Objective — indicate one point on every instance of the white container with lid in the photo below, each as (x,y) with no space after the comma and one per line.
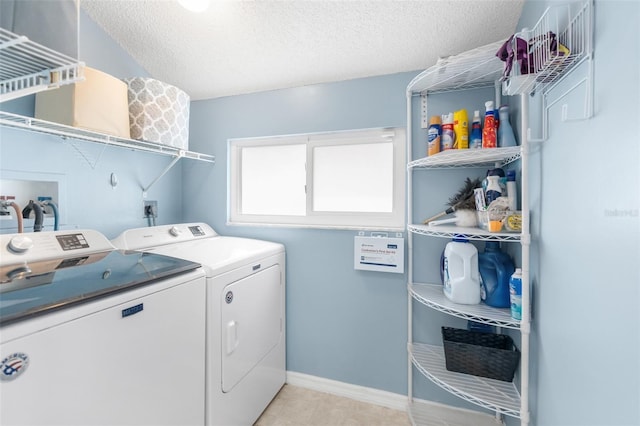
(461,273)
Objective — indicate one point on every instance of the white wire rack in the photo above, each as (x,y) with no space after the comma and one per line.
(495,395)
(432,296)
(48,127)
(454,158)
(69,132)
(451,231)
(422,413)
(549,60)
(473,69)
(27,67)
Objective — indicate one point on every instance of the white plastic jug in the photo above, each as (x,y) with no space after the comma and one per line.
(461,273)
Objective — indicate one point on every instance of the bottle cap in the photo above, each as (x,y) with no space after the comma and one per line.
(511,175)
(489,106)
(435,119)
(448,118)
(495,172)
(476,115)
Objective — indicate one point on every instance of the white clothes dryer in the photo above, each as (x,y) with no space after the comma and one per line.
(245,314)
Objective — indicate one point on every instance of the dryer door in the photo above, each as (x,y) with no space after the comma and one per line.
(251,323)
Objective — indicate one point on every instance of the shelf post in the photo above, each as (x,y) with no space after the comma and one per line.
(525,243)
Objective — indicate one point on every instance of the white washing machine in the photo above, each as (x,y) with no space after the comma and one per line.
(245,327)
(90,335)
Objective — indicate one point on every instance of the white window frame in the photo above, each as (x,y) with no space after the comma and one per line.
(394,220)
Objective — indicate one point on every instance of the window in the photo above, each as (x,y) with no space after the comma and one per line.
(352,179)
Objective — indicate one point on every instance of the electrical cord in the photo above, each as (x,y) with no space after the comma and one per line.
(150,213)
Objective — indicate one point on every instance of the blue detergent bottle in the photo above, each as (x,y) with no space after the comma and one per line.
(496,268)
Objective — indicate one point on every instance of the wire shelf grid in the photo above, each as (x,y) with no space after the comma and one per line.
(431,295)
(27,67)
(475,234)
(422,413)
(495,395)
(472,69)
(548,61)
(454,158)
(47,127)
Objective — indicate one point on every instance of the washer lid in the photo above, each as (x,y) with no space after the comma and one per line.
(36,288)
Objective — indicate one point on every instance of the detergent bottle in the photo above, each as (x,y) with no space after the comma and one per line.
(496,268)
(475,141)
(434,135)
(506,135)
(461,274)
(489,136)
(515,290)
(448,135)
(461,129)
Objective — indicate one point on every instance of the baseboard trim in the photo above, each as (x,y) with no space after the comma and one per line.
(369,395)
(347,390)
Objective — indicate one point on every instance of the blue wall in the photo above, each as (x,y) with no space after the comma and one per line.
(586,237)
(342,324)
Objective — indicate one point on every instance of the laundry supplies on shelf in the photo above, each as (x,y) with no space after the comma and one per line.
(461,274)
(496,268)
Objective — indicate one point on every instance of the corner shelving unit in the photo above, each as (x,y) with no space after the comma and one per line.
(27,67)
(476,69)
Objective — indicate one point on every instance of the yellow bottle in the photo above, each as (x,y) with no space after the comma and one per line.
(461,129)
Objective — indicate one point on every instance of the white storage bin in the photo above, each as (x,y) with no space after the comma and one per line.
(158,112)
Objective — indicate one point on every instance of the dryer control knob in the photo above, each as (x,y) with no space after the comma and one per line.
(20,244)
(174,231)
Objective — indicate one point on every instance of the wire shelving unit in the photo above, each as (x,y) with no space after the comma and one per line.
(470,70)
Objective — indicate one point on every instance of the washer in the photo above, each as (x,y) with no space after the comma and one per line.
(90,335)
(245,327)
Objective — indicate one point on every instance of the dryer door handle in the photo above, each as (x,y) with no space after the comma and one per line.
(232,337)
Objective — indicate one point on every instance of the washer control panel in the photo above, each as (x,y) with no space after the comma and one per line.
(37,246)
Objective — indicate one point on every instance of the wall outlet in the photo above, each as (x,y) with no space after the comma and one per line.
(150,209)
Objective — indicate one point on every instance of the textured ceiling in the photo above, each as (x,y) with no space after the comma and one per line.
(237,47)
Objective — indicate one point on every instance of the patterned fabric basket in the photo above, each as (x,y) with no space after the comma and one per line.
(158,112)
(494,356)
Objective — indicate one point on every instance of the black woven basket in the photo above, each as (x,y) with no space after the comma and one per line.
(482,354)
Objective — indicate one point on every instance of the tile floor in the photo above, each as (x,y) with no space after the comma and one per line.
(296,406)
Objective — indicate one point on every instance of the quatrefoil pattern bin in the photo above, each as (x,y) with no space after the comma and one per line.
(158,112)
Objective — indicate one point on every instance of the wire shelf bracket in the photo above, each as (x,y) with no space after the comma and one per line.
(69,132)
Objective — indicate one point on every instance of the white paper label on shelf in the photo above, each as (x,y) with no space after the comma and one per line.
(379,254)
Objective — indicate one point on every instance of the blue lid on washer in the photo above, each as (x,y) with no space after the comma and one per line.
(42,287)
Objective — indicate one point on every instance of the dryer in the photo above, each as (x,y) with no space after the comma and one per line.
(245,314)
